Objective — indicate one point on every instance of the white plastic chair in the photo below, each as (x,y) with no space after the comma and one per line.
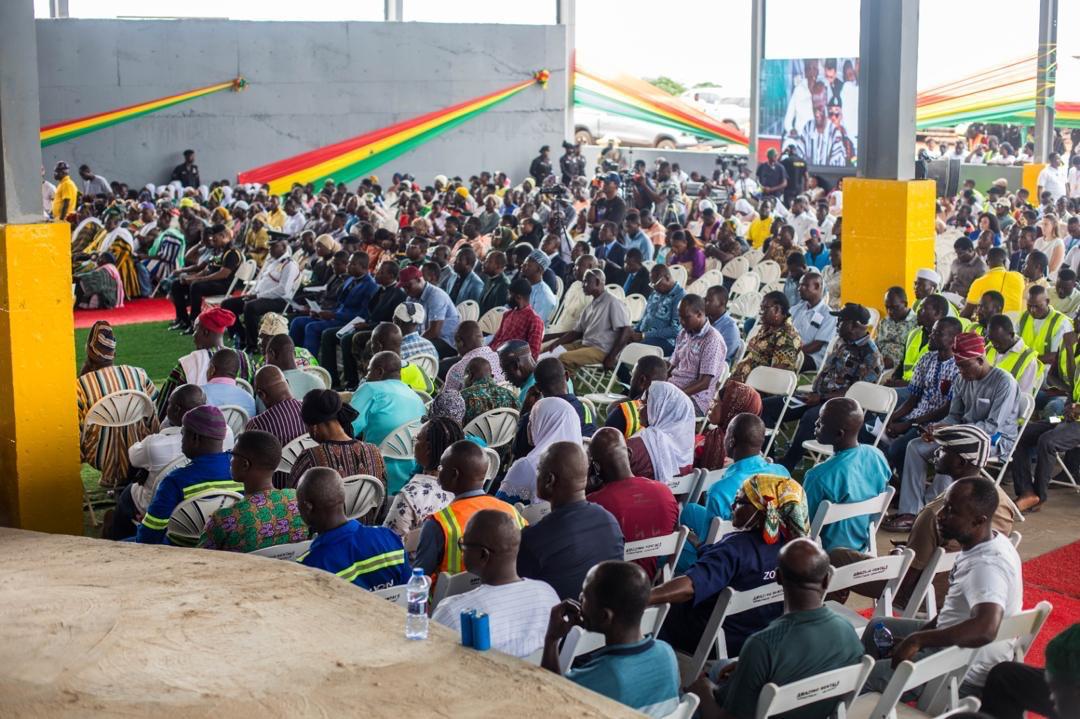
(769,271)
(559,287)
(678,273)
(635,306)
(321,373)
(999,464)
(872,398)
(363,493)
(829,513)
(754,257)
(489,323)
(236,417)
(686,485)
(941,672)
(1060,457)
(399,443)
(533,513)
(668,545)
(747,305)
(427,362)
(629,355)
(687,706)
(244,274)
(940,561)
(891,569)
(616,290)
(188,520)
(729,602)
(780,382)
(748,282)
(579,641)
(123,408)
(292,450)
(737,267)
(839,685)
(875,319)
(494,463)
(717,529)
(397,594)
(496,427)
(712,476)
(469,311)
(245,385)
(449,585)
(288,552)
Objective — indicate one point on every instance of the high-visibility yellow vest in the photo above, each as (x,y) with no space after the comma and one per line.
(1015,363)
(631,413)
(914,348)
(455,516)
(1040,342)
(1070,374)
(953,312)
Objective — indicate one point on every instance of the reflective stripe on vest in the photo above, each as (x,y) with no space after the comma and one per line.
(455,517)
(1015,363)
(631,411)
(914,349)
(1041,342)
(372,564)
(151,522)
(203,487)
(1063,369)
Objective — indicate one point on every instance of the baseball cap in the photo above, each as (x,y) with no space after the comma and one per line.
(411,312)
(612,177)
(707,206)
(408,275)
(852,311)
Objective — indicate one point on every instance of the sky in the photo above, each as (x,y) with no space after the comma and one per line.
(691,41)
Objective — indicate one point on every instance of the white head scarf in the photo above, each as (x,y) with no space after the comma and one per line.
(669,438)
(551,420)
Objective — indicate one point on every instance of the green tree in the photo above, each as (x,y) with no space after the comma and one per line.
(665,83)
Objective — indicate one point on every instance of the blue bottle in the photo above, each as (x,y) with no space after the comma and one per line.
(883,640)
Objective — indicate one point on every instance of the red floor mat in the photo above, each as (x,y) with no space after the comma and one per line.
(1057,570)
(131,313)
(1065,613)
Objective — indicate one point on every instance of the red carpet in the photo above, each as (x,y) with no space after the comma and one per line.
(131,313)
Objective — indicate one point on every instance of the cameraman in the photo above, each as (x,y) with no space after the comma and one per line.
(607,207)
(668,193)
(644,191)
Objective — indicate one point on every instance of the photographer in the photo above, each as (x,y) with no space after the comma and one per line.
(644,191)
(607,207)
(668,196)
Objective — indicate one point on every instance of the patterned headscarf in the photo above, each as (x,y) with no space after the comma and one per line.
(450,404)
(272,324)
(966,440)
(735,399)
(784,503)
(101,343)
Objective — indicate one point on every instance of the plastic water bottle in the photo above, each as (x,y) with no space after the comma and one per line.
(416,621)
(883,640)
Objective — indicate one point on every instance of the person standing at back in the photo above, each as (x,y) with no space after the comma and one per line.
(577,534)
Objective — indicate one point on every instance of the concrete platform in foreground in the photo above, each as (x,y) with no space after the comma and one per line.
(96,628)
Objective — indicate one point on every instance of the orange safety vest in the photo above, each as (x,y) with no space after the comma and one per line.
(453,519)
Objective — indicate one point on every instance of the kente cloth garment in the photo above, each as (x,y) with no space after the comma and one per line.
(106,448)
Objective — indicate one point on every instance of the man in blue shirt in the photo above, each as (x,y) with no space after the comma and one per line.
(203,430)
(716,300)
(856,472)
(440,314)
(464,284)
(635,238)
(221,388)
(542,299)
(635,670)
(355,297)
(659,324)
(369,557)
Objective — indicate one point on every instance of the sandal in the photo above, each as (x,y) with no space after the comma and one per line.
(899,523)
(1028,504)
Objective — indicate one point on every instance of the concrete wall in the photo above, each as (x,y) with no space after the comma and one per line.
(311,84)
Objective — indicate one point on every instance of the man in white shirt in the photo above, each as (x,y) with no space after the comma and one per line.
(802,220)
(986,583)
(271,293)
(1073,177)
(813,320)
(1053,178)
(518,609)
(294,218)
(746,187)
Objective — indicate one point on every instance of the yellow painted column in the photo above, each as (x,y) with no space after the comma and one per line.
(39,435)
(1031,181)
(888,234)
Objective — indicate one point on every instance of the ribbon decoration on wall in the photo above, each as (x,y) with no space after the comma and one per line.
(70,129)
(349,159)
(639,100)
(1004,94)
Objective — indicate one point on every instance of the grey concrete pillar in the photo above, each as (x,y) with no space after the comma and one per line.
(888,67)
(1045,80)
(20,148)
(566,16)
(393,10)
(757,50)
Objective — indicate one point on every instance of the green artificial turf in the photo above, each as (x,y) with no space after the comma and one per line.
(149,345)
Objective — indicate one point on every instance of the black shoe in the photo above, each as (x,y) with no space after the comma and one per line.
(178,326)
(189,330)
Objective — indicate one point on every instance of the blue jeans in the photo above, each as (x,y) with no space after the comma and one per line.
(307,332)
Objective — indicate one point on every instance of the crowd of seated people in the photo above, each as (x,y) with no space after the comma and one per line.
(431,308)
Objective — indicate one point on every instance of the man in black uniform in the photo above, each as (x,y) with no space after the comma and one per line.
(772,176)
(188,172)
(795,167)
(541,165)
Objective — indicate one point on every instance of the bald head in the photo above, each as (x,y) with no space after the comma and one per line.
(478,369)
(183,398)
(386,337)
(609,455)
(803,572)
(745,435)
(270,386)
(224,363)
(281,352)
(517,361)
(463,467)
(498,531)
(840,422)
(320,494)
(384,365)
(468,336)
(562,474)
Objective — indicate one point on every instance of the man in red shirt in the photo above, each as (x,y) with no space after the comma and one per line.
(644,508)
(520,322)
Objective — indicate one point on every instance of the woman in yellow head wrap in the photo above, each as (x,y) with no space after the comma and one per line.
(783,504)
